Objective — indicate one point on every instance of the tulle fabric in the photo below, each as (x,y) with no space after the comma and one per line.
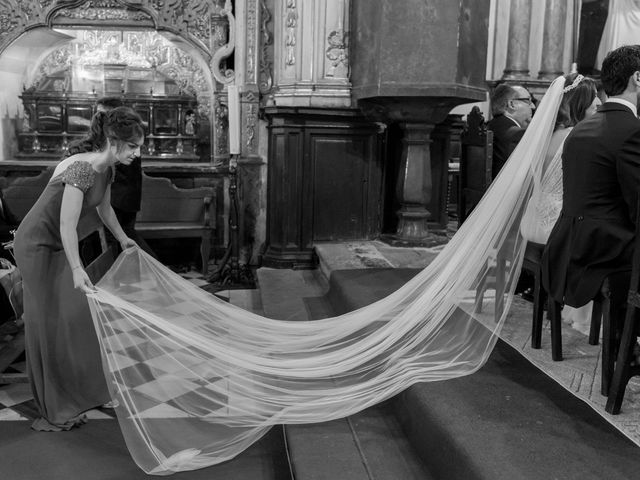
(200,380)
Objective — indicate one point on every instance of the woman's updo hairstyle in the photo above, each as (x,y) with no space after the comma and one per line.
(579,93)
(119,125)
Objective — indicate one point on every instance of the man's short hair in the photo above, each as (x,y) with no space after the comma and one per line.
(617,68)
(110,102)
(500,98)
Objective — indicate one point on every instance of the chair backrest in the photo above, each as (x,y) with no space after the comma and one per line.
(164,202)
(22,194)
(475,163)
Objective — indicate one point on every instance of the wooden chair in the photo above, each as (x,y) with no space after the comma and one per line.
(602,313)
(601,308)
(623,370)
(476,155)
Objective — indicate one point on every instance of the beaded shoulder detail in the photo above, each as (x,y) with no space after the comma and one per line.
(80,174)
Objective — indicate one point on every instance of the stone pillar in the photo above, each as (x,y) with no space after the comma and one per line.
(555,16)
(518,48)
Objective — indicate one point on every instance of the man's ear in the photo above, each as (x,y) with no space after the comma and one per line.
(509,106)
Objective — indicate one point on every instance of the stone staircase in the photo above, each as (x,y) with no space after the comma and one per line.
(370,445)
(509,420)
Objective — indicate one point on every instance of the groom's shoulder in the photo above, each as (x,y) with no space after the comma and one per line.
(616,112)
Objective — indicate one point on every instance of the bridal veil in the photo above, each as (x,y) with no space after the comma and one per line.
(199,380)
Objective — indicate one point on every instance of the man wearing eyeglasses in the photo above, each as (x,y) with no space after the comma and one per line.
(512,107)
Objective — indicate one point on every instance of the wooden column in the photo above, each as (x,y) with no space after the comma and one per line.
(414,186)
(555,17)
(519,32)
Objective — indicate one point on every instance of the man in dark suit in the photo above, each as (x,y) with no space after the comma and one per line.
(593,237)
(511,107)
(126,189)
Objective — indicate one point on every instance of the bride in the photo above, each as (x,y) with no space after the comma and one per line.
(580,100)
(199,380)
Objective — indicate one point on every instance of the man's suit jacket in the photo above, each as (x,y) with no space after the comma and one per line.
(506,135)
(126,189)
(593,236)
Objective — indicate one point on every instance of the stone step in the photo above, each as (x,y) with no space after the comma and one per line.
(508,420)
(370,445)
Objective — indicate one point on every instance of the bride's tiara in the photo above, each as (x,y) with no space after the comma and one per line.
(575,83)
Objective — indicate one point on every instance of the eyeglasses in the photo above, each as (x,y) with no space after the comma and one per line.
(526,100)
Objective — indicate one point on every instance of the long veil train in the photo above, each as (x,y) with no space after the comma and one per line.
(199,380)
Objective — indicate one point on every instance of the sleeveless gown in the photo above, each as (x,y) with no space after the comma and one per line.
(64,362)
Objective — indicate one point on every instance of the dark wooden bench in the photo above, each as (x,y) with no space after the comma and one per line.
(22,193)
(171,212)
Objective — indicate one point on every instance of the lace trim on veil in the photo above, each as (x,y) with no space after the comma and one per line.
(200,380)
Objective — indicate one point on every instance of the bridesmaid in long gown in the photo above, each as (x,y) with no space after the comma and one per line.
(64,363)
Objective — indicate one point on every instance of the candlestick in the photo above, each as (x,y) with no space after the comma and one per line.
(233,99)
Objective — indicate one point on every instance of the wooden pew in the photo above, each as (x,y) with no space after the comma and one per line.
(171,212)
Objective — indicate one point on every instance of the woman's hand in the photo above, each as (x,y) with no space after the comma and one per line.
(127,243)
(81,280)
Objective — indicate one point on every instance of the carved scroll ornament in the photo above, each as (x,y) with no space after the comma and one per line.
(227,76)
(190,18)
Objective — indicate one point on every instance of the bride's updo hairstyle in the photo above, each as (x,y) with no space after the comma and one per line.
(579,93)
(120,125)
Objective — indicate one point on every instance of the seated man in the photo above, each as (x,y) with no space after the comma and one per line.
(593,237)
(126,189)
(511,107)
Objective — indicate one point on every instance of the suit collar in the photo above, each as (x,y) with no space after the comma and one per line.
(515,122)
(620,105)
(505,119)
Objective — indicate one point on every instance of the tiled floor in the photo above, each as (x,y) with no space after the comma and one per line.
(16,400)
(289,294)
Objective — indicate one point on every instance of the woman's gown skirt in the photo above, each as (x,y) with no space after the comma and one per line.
(64,362)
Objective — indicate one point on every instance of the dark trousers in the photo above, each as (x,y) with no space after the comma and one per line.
(128,223)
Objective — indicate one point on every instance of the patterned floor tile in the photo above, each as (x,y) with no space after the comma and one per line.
(9,414)
(14,394)
(96,414)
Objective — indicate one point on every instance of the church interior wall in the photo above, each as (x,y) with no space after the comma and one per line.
(17,67)
(310,68)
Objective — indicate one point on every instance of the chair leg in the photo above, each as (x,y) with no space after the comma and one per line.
(596,320)
(538,311)
(555,309)
(480,289)
(622,368)
(608,346)
(500,287)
